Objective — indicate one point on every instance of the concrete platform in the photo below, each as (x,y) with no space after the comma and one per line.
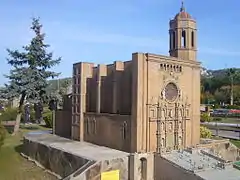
(81,149)
(68,158)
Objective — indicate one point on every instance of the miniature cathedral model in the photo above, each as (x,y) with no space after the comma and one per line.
(147,104)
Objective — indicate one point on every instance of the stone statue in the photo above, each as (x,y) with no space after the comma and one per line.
(180,141)
(162,126)
(163,94)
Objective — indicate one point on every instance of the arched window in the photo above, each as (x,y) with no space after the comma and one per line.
(143,168)
(161,66)
(124,130)
(162,126)
(170,41)
(170,127)
(175,139)
(173,40)
(192,38)
(180,140)
(165,68)
(94,126)
(180,69)
(180,125)
(87,125)
(183,39)
(163,142)
(176,68)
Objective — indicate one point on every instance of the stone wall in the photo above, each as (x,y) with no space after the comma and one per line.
(141,166)
(94,171)
(63,123)
(65,161)
(110,130)
(67,103)
(57,161)
(99,89)
(109,81)
(165,170)
(223,148)
(226,150)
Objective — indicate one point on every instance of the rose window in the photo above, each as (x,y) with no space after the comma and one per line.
(171,92)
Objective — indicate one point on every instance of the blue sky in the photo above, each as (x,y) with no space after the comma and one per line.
(105,31)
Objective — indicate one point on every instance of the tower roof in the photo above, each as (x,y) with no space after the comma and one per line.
(183,14)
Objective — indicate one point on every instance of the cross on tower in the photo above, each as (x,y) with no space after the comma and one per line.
(182,7)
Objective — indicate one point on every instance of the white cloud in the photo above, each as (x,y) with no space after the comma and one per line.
(82,35)
(62,35)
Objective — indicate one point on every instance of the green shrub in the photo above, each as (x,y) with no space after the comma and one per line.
(205,117)
(205,132)
(2,135)
(216,106)
(46,110)
(9,114)
(233,107)
(47,117)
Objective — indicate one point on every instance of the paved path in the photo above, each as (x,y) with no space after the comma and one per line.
(8,123)
(221,124)
(226,134)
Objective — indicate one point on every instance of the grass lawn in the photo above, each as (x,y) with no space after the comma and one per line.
(236,143)
(13,166)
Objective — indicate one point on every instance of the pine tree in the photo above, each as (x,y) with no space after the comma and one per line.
(30,71)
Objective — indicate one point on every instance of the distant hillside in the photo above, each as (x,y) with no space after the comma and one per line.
(220,72)
(216,86)
(222,75)
(58,83)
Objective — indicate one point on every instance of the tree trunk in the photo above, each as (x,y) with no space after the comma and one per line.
(17,124)
(18,118)
(231,98)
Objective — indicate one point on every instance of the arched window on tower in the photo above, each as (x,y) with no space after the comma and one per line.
(183,39)
(170,41)
(173,40)
(192,38)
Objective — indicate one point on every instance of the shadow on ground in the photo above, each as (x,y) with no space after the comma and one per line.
(9,129)
(30,127)
(19,148)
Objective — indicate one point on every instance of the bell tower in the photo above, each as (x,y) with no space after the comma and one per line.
(183,36)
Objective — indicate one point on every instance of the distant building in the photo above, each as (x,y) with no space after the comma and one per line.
(14,103)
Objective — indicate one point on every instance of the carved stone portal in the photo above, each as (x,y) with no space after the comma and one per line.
(173,112)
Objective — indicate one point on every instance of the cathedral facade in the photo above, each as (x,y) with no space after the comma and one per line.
(150,103)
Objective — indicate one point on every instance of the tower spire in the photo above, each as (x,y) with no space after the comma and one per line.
(182,9)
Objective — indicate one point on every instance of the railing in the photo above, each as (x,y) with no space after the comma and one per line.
(225,130)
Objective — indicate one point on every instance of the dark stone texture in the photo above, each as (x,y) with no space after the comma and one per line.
(74,160)
(57,161)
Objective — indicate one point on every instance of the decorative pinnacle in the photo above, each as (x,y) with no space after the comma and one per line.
(182,7)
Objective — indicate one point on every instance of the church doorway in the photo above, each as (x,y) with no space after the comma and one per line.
(143,168)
